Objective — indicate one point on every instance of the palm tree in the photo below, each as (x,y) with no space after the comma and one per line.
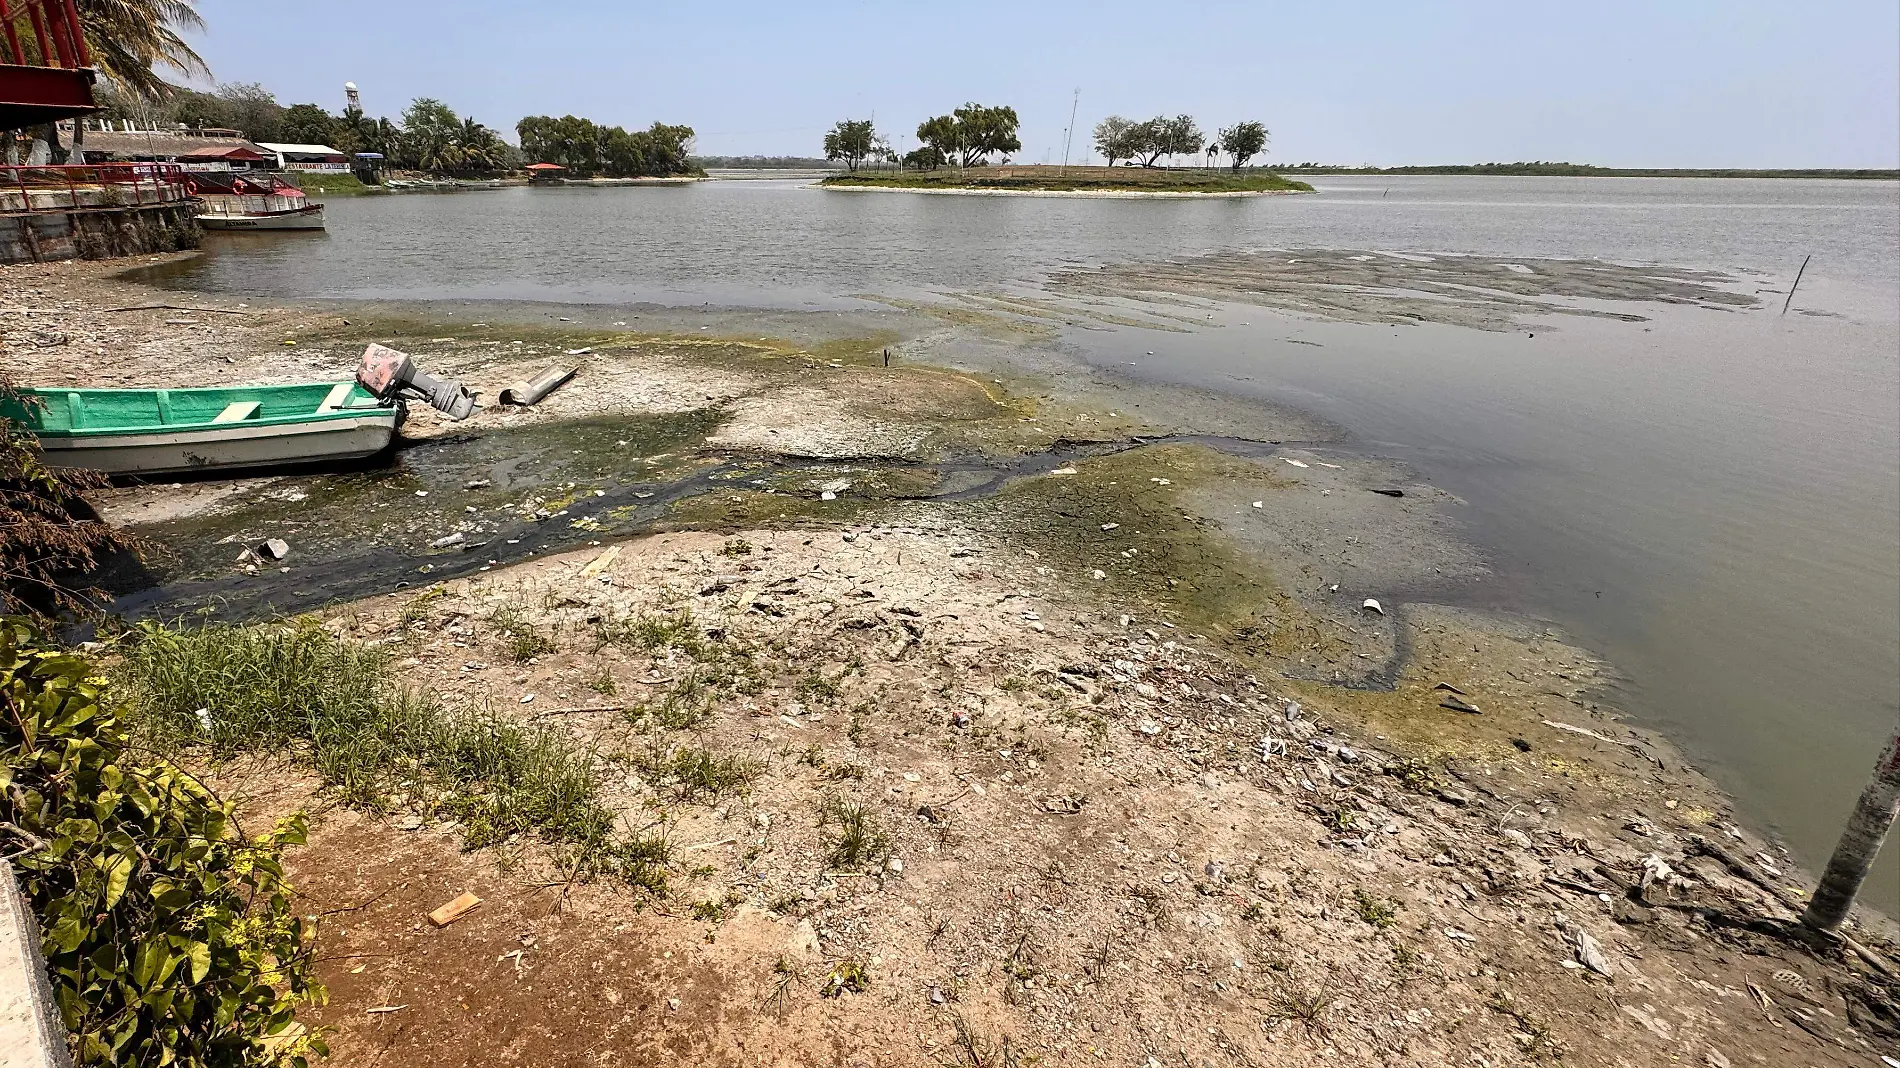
(130,38)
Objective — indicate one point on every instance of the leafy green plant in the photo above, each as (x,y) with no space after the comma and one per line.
(1375,910)
(170,935)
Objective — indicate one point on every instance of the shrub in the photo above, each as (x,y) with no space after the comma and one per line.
(169,933)
(48,533)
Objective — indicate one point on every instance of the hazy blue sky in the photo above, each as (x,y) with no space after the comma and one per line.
(1665,82)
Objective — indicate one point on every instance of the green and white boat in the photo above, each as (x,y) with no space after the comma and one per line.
(171,431)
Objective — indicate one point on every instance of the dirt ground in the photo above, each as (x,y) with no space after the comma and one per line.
(1134,777)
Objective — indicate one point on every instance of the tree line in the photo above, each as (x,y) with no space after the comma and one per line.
(429,136)
(970,135)
(1144,143)
(967,137)
(587,149)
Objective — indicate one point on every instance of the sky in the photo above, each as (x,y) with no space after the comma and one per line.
(1679,83)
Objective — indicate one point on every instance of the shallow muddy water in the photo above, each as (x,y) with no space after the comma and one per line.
(1709,497)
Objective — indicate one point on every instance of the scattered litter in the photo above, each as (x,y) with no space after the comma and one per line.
(1390,492)
(1110,526)
(1295,463)
(1259,504)
(454,910)
(384,1008)
(272,549)
(1063,471)
(1457,935)
(1590,955)
(1323,463)
(601,563)
(476,483)
(1457,705)
(1372,605)
(1062,806)
(1453,689)
(526,697)
(534,389)
(456,538)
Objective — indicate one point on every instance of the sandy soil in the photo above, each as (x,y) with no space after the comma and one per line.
(1153,788)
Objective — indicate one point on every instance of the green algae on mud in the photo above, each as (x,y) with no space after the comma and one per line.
(1123,515)
(464,483)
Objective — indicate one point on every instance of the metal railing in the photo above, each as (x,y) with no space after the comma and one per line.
(43,33)
(130,184)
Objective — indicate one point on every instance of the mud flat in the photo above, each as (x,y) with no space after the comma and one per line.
(1133,774)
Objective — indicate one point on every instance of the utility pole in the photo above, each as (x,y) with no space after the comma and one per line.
(1860,843)
(1068,135)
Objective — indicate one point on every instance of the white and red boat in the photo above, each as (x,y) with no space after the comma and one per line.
(233,201)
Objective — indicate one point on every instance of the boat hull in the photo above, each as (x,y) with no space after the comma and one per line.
(224,448)
(310,218)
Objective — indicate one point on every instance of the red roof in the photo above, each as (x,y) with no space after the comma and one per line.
(228,152)
(545,167)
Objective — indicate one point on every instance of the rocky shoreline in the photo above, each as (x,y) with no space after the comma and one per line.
(1155,788)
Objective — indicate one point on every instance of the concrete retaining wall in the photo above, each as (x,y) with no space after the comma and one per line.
(31,1032)
(95,233)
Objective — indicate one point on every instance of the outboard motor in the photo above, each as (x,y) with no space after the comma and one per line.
(390,374)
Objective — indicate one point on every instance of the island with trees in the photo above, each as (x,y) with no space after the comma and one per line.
(969,150)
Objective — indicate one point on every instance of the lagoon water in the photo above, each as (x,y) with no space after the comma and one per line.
(1710,499)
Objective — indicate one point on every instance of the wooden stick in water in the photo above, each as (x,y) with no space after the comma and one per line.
(1797,282)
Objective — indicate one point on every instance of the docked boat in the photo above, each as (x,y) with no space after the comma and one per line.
(256,201)
(170,431)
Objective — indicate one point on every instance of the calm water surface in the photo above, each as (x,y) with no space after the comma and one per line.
(1711,499)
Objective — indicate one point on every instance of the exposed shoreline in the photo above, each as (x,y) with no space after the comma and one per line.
(1107,194)
(1042,612)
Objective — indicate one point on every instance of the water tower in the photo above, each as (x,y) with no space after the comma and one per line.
(352,97)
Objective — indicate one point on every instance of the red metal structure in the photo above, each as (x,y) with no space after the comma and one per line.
(47,74)
(94,187)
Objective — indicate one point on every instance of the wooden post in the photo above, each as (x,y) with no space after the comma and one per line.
(1860,843)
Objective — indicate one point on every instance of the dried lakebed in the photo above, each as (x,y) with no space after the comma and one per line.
(1089,696)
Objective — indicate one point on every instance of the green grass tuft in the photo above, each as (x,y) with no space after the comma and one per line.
(856,839)
(696,772)
(296,690)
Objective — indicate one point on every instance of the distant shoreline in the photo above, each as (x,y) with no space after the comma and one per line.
(1582,170)
(1108,194)
(1046,180)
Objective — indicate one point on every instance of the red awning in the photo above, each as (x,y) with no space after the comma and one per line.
(544,167)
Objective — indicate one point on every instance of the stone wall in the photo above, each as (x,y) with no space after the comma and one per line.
(95,233)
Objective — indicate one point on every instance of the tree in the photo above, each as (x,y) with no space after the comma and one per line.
(985,131)
(1243,141)
(1181,136)
(308,124)
(851,140)
(130,38)
(252,109)
(926,158)
(1162,136)
(1112,140)
(943,135)
(429,130)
